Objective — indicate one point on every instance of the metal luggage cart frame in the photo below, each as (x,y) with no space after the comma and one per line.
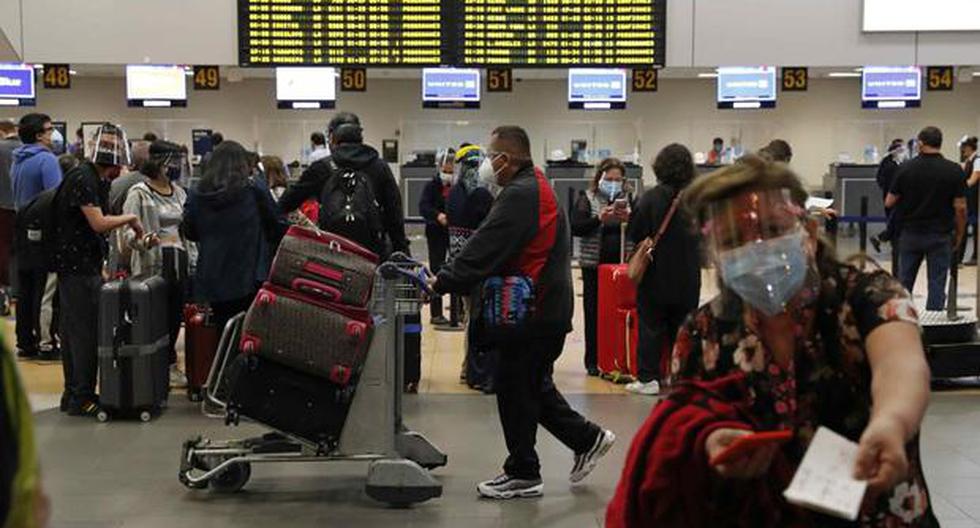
(399,459)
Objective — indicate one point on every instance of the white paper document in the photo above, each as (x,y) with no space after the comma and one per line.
(825,479)
(818,203)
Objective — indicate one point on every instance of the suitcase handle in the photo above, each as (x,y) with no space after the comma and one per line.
(418,276)
(309,286)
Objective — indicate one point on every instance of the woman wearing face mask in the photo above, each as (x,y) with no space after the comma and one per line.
(158,202)
(432,205)
(671,287)
(795,341)
(598,218)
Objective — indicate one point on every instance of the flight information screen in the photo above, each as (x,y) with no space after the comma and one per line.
(479,33)
(340,32)
(566,33)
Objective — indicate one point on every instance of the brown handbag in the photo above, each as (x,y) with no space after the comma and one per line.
(643,254)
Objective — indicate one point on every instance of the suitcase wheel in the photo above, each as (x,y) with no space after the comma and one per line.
(145,416)
(102,416)
(231,479)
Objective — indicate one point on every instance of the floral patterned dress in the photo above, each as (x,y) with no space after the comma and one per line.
(826,383)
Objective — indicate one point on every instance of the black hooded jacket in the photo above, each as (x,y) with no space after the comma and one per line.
(364,158)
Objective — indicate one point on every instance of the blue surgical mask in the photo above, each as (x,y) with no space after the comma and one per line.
(610,188)
(766,274)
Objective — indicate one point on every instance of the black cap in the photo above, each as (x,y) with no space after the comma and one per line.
(343,118)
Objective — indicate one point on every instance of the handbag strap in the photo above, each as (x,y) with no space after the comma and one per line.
(665,224)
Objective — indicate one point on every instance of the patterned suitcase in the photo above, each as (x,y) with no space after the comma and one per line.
(287,400)
(325,265)
(307,333)
(133,342)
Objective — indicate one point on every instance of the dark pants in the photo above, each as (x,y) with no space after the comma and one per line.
(590,308)
(175,274)
(30,292)
(658,330)
(79,295)
(224,311)
(438,246)
(7,217)
(412,352)
(527,396)
(936,249)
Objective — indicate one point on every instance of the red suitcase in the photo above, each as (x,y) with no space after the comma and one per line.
(618,336)
(326,265)
(200,345)
(307,333)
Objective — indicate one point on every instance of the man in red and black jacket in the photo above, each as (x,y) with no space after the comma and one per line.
(526,233)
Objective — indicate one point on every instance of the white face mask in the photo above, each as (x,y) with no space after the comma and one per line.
(447,178)
(487,174)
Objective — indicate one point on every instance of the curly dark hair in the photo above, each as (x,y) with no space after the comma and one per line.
(674,165)
(606,165)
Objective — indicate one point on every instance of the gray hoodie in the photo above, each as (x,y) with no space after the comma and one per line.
(7,147)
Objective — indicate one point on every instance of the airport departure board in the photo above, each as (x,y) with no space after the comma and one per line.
(481,33)
(340,32)
(567,33)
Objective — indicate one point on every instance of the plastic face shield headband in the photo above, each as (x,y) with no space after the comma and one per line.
(111,146)
(751,217)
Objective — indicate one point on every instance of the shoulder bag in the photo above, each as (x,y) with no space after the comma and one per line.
(643,255)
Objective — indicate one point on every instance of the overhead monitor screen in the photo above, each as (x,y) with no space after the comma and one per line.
(306,88)
(340,33)
(17,85)
(450,88)
(891,87)
(596,89)
(156,86)
(569,33)
(914,15)
(747,88)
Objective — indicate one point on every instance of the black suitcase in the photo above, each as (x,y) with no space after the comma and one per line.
(133,346)
(288,400)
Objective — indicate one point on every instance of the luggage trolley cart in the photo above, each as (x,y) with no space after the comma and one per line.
(399,459)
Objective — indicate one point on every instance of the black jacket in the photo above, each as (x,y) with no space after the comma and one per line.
(231,230)
(432,203)
(525,233)
(674,276)
(364,158)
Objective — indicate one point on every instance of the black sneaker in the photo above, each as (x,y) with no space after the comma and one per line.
(49,355)
(593,372)
(586,462)
(29,353)
(439,321)
(65,402)
(506,487)
(88,408)
(876,243)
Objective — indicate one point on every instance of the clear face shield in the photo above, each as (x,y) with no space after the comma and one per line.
(467,165)
(110,146)
(760,246)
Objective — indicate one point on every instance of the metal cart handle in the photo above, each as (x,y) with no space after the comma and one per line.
(418,276)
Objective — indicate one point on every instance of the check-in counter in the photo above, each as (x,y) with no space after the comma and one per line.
(850,182)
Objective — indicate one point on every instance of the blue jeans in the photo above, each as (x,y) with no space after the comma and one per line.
(937,250)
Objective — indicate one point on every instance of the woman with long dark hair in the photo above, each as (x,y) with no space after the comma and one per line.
(235,223)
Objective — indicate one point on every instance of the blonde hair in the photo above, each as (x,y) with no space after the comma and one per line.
(275,171)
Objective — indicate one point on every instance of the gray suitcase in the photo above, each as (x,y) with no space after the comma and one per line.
(133,347)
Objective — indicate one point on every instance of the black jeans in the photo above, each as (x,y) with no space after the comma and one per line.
(412,351)
(658,330)
(937,250)
(30,291)
(175,274)
(224,311)
(79,295)
(438,247)
(590,309)
(527,396)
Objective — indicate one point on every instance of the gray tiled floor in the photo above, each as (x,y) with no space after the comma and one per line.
(124,474)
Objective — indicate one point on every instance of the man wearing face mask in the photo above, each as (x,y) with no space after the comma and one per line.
(432,205)
(717,150)
(526,235)
(930,193)
(81,209)
(885,177)
(35,170)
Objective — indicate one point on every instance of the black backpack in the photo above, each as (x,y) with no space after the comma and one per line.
(348,207)
(35,227)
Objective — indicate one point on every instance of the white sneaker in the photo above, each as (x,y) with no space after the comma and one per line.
(506,487)
(651,388)
(177,378)
(586,462)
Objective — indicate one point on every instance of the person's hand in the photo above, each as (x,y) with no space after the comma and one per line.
(607,214)
(623,215)
(136,226)
(151,240)
(881,458)
(442,219)
(753,465)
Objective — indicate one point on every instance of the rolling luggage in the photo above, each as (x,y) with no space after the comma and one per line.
(617,326)
(200,345)
(307,333)
(324,265)
(133,347)
(288,400)
(619,334)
